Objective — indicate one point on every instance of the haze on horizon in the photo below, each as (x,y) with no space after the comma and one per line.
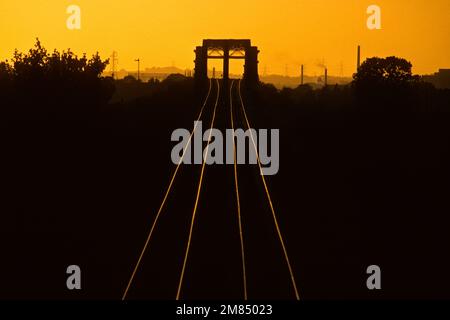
(288,32)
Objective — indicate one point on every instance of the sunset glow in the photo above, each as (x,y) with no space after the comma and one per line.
(288,32)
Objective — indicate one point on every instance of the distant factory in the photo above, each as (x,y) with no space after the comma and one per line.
(440,79)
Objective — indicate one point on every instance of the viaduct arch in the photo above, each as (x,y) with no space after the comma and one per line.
(227,49)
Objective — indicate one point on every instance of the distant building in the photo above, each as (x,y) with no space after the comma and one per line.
(440,79)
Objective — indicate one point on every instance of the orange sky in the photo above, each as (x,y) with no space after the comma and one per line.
(288,32)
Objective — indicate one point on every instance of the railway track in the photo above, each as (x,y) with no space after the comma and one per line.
(215,234)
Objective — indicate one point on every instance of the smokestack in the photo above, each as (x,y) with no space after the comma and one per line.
(358,59)
(326,77)
(301,77)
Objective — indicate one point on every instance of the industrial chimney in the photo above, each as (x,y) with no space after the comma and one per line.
(301,77)
(358,59)
(326,77)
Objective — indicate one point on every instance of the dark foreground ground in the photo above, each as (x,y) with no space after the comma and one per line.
(357,186)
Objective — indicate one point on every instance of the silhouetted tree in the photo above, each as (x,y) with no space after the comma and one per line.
(6,74)
(386,83)
(390,71)
(38,81)
(5,71)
